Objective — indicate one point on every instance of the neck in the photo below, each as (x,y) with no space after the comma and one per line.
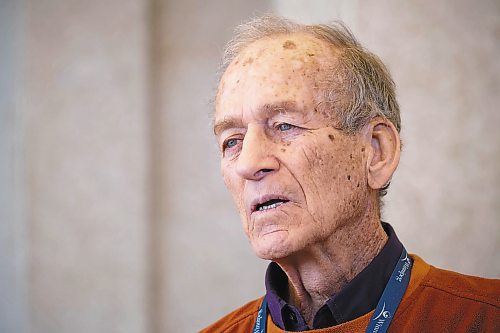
(323,269)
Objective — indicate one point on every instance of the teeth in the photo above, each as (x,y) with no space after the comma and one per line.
(271,206)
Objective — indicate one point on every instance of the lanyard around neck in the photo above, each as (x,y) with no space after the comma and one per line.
(386,307)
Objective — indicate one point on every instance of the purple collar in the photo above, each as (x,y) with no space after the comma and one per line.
(357,298)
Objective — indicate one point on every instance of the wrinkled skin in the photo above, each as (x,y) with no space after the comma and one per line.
(275,141)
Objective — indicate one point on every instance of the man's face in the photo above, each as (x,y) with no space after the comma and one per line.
(294,177)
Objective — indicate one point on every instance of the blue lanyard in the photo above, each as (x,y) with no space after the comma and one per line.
(386,307)
(260,322)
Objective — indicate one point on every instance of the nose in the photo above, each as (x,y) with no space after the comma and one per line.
(256,159)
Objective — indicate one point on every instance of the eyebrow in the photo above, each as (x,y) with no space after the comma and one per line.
(268,109)
(227,122)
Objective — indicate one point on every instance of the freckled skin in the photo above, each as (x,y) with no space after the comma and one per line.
(248,61)
(311,171)
(288,44)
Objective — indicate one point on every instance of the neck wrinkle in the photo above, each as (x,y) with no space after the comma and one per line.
(321,271)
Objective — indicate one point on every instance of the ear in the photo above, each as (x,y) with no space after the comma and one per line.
(383,151)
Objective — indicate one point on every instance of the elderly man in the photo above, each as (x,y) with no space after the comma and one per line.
(308,127)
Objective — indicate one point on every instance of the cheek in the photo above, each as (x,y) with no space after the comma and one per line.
(332,175)
(225,172)
(350,182)
(351,172)
(233,185)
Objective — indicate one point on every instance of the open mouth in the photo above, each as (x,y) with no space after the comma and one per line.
(270,204)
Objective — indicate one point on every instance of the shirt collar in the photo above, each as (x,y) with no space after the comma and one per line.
(357,298)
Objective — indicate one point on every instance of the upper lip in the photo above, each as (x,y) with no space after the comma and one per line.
(266,197)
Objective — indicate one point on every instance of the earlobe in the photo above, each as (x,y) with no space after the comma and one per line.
(384,152)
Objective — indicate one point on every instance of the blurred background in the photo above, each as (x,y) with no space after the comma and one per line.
(113,214)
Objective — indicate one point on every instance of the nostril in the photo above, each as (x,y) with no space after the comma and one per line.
(262,172)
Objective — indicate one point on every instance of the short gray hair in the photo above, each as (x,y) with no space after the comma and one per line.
(357,89)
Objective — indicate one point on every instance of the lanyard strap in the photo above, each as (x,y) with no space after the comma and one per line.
(386,307)
(260,322)
(392,295)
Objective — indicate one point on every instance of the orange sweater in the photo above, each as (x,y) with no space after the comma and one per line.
(436,301)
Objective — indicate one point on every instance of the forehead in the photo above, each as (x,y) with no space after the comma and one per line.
(273,70)
(285,46)
(282,53)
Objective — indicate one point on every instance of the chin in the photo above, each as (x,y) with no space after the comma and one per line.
(272,246)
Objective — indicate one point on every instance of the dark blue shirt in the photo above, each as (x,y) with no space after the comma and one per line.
(357,298)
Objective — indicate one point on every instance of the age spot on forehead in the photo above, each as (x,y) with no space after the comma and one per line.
(289,45)
(331,137)
(248,61)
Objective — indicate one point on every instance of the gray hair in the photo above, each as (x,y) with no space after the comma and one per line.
(357,89)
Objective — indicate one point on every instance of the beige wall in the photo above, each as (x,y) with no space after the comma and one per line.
(114,216)
(14,313)
(80,105)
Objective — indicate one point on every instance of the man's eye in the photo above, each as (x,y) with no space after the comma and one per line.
(284,127)
(231,143)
